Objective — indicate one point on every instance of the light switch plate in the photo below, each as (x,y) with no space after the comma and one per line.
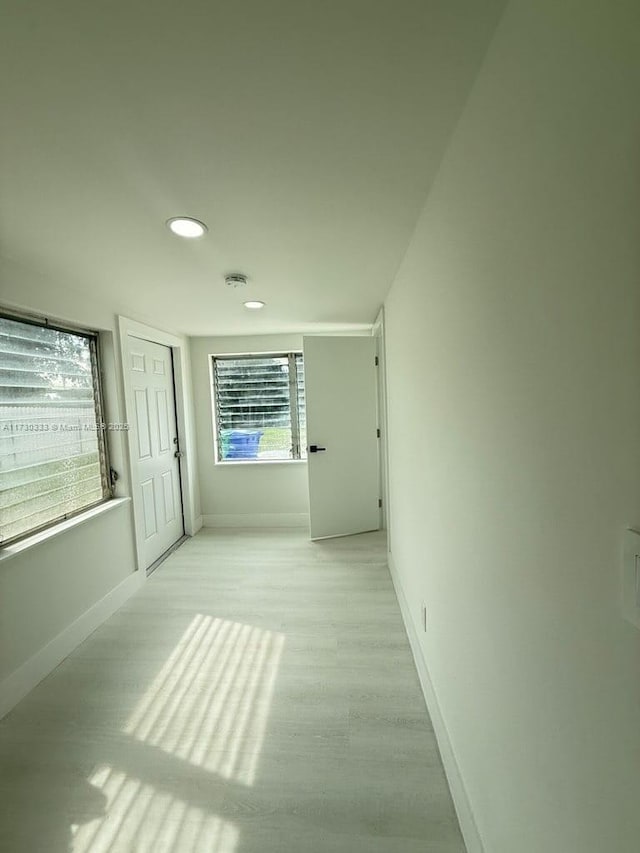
(631,577)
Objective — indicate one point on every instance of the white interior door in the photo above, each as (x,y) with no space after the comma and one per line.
(154,437)
(340,390)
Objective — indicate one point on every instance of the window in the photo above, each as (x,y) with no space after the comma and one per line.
(259,409)
(53,460)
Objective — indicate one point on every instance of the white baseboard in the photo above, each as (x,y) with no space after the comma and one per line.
(261,519)
(459,794)
(16,686)
(197,524)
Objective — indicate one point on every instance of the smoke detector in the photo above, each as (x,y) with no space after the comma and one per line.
(235,279)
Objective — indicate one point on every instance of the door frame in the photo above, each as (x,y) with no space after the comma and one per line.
(383,424)
(179,349)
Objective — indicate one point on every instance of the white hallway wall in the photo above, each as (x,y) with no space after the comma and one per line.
(244,494)
(514,402)
(55,592)
(44,589)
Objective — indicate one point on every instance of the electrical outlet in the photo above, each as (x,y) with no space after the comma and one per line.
(423,615)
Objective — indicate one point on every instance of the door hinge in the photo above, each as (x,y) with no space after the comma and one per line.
(380,502)
(378,433)
(377,362)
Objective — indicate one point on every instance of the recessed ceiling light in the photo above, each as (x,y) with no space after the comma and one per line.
(254,303)
(186,226)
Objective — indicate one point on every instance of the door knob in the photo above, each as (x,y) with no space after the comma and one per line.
(314,448)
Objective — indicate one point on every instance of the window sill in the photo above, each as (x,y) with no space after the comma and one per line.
(8,551)
(243,463)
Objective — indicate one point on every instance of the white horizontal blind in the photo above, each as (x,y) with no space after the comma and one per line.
(52,461)
(302,410)
(253,407)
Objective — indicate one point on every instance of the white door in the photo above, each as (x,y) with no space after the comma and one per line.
(154,438)
(340,391)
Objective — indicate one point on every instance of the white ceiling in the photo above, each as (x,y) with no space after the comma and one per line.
(305,133)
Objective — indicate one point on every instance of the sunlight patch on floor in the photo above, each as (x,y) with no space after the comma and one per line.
(141,819)
(210,702)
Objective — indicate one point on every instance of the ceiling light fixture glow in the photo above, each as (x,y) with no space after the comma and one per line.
(186,226)
(254,303)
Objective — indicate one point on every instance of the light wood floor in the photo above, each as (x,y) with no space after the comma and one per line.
(257,696)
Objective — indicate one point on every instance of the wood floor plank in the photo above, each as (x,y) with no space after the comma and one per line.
(257,696)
